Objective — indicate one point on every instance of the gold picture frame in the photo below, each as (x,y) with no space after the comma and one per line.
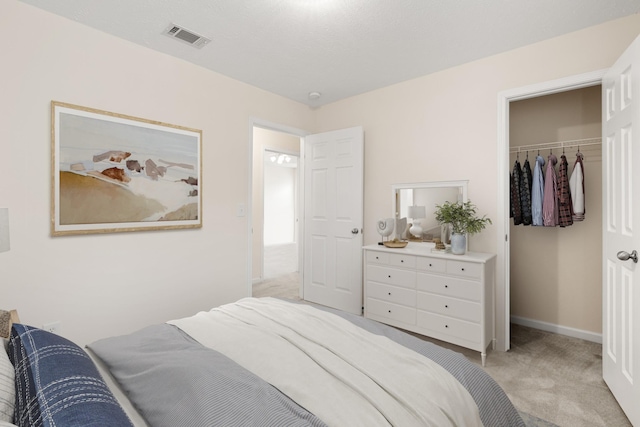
(116,173)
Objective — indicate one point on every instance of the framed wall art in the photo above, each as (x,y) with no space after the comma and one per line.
(115,173)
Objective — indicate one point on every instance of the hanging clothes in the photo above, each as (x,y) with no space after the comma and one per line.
(576,185)
(565,206)
(537,191)
(516,206)
(510,198)
(550,201)
(525,193)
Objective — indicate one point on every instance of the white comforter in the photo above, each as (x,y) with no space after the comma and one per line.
(344,375)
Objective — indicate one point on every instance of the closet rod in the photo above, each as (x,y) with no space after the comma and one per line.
(559,144)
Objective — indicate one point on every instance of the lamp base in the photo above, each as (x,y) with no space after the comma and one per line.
(416,230)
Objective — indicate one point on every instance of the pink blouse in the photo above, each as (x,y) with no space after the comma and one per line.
(550,202)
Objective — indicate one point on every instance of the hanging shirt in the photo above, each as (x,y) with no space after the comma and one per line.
(525,193)
(565,206)
(550,200)
(537,191)
(510,198)
(576,185)
(516,206)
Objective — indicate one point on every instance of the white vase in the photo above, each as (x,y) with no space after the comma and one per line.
(458,244)
(445,233)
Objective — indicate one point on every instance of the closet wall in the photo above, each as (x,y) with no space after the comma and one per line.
(556,272)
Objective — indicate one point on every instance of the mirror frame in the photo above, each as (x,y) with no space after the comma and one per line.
(463,184)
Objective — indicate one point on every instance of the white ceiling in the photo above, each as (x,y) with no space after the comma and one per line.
(339,48)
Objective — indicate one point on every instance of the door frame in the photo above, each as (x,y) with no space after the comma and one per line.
(277,127)
(579,81)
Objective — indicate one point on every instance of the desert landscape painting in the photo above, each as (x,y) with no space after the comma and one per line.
(115,173)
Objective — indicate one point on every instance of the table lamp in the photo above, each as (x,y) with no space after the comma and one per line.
(416,213)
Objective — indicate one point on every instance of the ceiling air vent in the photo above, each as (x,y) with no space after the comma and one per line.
(185,36)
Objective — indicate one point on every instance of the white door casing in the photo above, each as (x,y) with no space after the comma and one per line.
(503,310)
(265,124)
(621,212)
(333,209)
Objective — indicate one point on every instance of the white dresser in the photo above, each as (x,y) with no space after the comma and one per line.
(440,295)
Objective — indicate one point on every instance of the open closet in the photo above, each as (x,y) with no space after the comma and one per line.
(556,272)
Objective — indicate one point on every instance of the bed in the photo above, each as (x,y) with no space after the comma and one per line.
(256,362)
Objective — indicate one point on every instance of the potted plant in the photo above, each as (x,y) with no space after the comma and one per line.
(463,220)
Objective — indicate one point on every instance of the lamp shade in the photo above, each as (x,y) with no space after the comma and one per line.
(416,212)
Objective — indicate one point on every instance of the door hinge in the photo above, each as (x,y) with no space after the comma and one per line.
(506,237)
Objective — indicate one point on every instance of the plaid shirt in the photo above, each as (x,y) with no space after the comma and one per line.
(525,193)
(516,204)
(565,206)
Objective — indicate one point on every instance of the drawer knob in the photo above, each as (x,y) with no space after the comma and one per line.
(446,286)
(446,326)
(389,293)
(430,265)
(446,306)
(389,311)
(463,269)
(389,276)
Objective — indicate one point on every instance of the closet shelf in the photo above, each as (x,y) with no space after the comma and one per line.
(558,144)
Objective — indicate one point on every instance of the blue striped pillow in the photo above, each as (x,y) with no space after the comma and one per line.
(57,384)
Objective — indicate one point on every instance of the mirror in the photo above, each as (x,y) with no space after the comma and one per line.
(427,194)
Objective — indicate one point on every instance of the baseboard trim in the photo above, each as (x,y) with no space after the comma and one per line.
(558,329)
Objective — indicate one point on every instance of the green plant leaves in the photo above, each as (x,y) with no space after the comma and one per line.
(462,217)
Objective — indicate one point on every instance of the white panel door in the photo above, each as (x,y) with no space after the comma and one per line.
(621,210)
(333,206)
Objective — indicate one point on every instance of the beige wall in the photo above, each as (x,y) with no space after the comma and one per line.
(100,285)
(556,273)
(264,139)
(443,126)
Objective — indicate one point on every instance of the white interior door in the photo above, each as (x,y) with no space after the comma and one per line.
(333,209)
(621,210)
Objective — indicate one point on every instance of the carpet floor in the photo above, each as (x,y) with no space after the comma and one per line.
(556,378)
(553,380)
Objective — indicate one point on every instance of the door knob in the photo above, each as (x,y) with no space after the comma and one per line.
(624,256)
(354,231)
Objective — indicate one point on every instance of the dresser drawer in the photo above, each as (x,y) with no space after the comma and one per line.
(391,276)
(374,257)
(467,331)
(400,260)
(471,270)
(390,293)
(449,286)
(391,311)
(433,265)
(453,307)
